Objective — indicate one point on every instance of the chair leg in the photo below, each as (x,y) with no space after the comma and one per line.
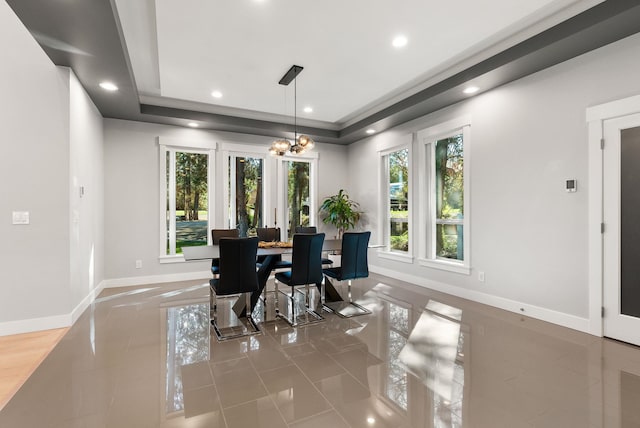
(345,309)
(251,329)
(275,301)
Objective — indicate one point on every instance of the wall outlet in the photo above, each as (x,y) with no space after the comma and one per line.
(138,264)
(481,276)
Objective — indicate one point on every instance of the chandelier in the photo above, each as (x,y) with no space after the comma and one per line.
(301,143)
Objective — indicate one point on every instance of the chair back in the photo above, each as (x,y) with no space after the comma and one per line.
(306,259)
(306,229)
(237,266)
(268,234)
(354,263)
(216,234)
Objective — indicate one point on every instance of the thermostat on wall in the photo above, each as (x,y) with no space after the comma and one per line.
(571,186)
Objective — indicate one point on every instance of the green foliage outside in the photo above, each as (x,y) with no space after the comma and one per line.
(298,195)
(398,194)
(449,163)
(191,183)
(249,188)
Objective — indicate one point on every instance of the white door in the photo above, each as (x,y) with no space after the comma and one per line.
(621,239)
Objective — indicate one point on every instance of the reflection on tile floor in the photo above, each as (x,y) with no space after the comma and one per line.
(145,357)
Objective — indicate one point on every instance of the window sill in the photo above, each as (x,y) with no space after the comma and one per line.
(178,258)
(396,256)
(450,266)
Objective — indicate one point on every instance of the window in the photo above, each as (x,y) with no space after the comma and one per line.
(298,196)
(185,175)
(449,192)
(186,171)
(446,208)
(396,207)
(246,193)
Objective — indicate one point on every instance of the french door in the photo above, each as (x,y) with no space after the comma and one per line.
(621,238)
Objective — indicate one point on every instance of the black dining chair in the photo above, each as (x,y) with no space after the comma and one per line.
(354,265)
(313,229)
(272,234)
(268,234)
(216,234)
(306,269)
(237,275)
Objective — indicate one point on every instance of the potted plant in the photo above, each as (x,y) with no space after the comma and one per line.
(340,211)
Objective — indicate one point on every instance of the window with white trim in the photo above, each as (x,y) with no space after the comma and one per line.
(396,206)
(246,198)
(185,196)
(298,202)
(446,207)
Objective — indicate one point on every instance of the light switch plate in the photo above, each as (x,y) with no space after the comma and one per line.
(21,217)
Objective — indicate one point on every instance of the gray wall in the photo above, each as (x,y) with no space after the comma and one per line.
(132,194)
(527,234)
(40,108)
(87,208)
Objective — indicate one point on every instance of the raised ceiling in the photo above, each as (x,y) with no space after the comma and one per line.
(168,56)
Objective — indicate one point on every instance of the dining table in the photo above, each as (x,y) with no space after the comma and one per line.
(270,253)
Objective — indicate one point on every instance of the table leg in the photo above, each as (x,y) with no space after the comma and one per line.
(266,266)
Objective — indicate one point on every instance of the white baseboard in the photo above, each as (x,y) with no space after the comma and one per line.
(84,304)
(155,279)
(35,324)
(54,321)
(548,315)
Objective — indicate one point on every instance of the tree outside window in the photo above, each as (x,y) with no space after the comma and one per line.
(298,195)
(186,200)
(248,200)
(449,191)
(398,181)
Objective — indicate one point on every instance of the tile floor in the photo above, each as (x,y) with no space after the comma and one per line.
(144,357)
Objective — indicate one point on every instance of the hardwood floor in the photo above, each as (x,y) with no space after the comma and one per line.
(20,355)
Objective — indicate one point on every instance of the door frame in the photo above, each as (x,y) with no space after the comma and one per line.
(596,116)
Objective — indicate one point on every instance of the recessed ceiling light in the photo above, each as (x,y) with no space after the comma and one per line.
(400,41)
(308,110)
(193,124)
(471,90)
(370,131)
(371,420)
(108,86)
(216,94)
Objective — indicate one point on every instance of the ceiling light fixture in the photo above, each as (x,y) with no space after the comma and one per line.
(370,131)
(193,124)
(301,143)
(216,94)
(471,90)
(308,109)
(108,86)
(400,41)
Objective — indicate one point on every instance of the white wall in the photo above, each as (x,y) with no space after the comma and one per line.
(132,195)
(528,235)
(86,220)
(53,136)
(34,175)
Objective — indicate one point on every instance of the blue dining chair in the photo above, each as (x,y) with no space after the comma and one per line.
(237,275)
(216,234)
(313,229)
(306,269)
(354,264)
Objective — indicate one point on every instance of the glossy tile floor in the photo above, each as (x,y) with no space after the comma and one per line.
(144,357)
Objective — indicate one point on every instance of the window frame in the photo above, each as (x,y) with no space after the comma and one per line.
(428,221)
(246,151)
(385,204)
(282,204)
(171,146)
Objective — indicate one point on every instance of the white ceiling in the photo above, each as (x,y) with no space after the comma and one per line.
(182,50)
